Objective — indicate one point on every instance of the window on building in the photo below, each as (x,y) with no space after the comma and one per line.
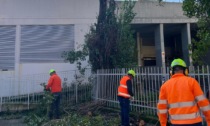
(7,47)
(45,43)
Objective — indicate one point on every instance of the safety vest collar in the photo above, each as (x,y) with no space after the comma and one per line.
(177,75)
(128,77)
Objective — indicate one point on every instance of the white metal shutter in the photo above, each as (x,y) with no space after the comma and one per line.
(45,43)
(7,47)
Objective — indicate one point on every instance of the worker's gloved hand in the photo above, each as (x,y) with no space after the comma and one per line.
(45,88)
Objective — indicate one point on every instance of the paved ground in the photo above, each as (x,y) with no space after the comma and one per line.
(14,122)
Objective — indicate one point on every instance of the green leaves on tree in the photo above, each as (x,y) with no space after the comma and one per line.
(110,42)
(199,9)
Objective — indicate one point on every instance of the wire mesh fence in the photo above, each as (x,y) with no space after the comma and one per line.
(177,1)
(146,85)
(101,86)
(76,87)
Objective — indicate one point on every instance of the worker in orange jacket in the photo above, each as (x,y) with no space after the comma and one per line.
(124,95)
(181,98)
(54,83)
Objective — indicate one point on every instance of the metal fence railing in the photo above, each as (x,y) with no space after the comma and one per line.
(28,90)
(101,86)
(177,1)
(146,86)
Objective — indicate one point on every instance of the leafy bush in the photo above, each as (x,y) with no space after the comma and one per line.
(35,120)
(39,116)
(78,120)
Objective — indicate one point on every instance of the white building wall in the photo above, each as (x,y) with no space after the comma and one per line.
(148,12)
(36,68)
(81,13)
(48,11)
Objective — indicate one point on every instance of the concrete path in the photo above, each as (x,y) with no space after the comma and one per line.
(13,122)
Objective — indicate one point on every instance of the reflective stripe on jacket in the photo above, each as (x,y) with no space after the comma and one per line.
(181,97)
(122,89)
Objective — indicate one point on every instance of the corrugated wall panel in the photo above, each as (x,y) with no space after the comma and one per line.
(45,43)
(7,47)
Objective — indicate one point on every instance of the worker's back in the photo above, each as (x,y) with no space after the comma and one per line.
(56,83)
(181,98)
(180,92)
(180,89)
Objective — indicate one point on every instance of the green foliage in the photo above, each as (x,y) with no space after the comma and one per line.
(35,120)
(83,93)
(197,8)
(78,120)
(200,46)
(77,56)
(101,40)
(126,45)
(8,114)
(110,42)
(39,116)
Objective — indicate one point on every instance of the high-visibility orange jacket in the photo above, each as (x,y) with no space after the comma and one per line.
(123,88)
(54,83)
(180,98)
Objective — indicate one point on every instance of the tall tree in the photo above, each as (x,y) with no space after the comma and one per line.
(201,10)
(110,42)
(126,45)
(102,37)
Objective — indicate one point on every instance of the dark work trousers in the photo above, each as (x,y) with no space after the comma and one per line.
(195,124)
(125,109)
(54,107)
